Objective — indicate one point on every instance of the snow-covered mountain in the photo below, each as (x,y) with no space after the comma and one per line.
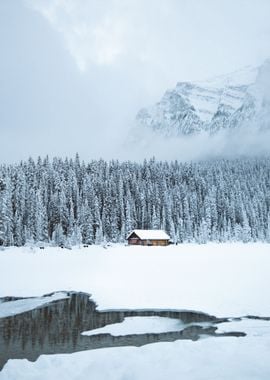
(223,102)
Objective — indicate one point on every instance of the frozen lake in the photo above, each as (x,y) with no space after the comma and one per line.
(186,289)
(60,327)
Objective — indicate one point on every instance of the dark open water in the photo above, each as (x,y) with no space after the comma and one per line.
(57,327)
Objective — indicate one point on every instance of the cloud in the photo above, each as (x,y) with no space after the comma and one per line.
(94,32)
(231,143)
(176,38)
(87,67)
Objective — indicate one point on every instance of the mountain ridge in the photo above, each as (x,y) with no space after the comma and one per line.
(223,102)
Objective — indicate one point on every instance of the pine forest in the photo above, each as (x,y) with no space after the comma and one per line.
(69,202)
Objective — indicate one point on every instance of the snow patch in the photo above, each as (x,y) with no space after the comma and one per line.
(11,308)
(139,325)
(252,327)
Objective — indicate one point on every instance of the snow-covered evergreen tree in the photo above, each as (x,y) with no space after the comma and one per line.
(69,202)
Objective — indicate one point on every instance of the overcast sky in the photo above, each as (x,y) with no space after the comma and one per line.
(74,73)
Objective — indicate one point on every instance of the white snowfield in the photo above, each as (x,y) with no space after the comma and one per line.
(220,279)
(207,359)
(139,325)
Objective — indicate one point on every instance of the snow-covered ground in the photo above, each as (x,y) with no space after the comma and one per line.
(220,279)
(207,359)
(227,280)
(252,327)
(20,306)
(139,325)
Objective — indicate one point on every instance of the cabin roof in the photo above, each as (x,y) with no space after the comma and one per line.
(150,234)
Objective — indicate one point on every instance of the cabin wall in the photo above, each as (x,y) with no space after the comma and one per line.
(136,241)
(159,242)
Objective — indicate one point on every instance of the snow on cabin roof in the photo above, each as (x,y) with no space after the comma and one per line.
(150,234)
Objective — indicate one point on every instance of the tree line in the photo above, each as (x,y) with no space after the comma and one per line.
(68,202)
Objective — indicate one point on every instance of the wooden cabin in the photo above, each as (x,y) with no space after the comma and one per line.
(148,237)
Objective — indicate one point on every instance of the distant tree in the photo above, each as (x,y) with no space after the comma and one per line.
(2,212)
(58,236)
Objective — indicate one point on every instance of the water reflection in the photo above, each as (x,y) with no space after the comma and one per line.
(57,328)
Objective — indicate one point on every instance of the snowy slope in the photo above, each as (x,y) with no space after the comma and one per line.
(223,102)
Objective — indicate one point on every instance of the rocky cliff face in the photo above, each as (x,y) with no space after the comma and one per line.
(224,102)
